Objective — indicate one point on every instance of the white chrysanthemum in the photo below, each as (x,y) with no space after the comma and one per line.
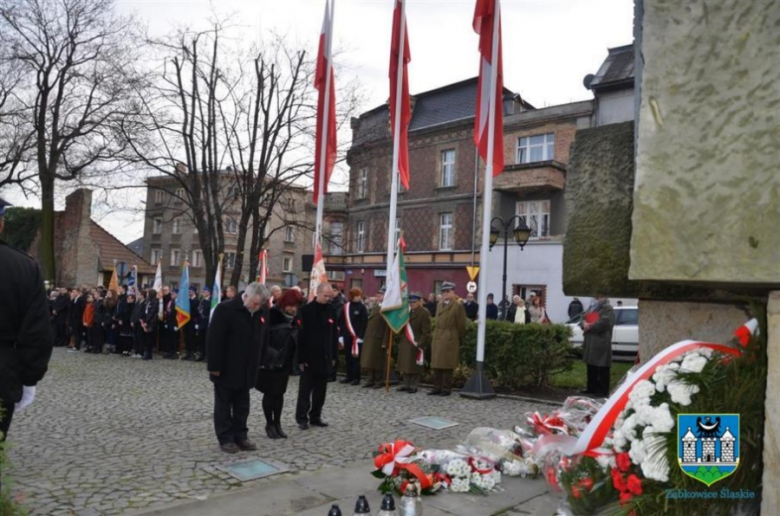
(681,393)
(693,363)
(606,461)
(512,468)
(620,442)
(637,451)
(663,376)
(707,352)
(488,483)
(457,468)
(459,485)
(662,420)
(644,415)
(641,393)
(655,465)
(627,430)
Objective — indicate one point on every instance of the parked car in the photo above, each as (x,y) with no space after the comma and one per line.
(625,335)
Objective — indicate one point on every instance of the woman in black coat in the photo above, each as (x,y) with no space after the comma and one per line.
(150,322)
(277,361)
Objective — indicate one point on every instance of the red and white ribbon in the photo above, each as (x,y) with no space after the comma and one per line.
(355,349)
(391,455)
(745,332)
(547,425)
(420,359)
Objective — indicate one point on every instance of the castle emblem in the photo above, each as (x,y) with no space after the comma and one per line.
(708,445)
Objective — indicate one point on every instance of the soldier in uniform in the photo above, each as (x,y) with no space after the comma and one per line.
(26,336)
(447,338)
(420,323)
(170,333)
(190,331)
(374,353)
(202,327)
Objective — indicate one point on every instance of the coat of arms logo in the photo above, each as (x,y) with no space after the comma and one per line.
(708,445)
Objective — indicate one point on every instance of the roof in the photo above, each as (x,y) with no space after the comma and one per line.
(137,246)
(616,71)
(110,249)
(689,435)
(450,103)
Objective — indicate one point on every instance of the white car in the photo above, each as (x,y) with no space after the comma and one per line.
(625,335)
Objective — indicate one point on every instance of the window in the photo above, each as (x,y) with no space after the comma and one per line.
(231,226)
(362,183)
(175,256)
(230,260)
(289,234)
(156,255)
(361,236)
(536,215)
(287,264)
(157,226)
(176,226)
(445,231)
(531,149)
(356,283)
(179,196)
(448,168)
(197,257)
(158,197)
(336,237)
(627,317)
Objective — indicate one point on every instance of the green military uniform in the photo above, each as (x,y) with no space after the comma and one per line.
(374,355)
(445,346)
(420,323)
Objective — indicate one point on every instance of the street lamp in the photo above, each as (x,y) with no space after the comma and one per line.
(521,233)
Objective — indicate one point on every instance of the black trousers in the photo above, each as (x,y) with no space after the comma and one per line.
(598,379)
(170,341)
(7,409)
(201,340)
(150,341)
(190,338)
(231,411)
(353,363)
(272,408)
(311,396)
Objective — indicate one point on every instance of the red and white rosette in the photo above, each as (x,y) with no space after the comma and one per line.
(590,441)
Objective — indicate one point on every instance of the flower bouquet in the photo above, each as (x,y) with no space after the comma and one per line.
(462,472)
(503,447)
(398,463)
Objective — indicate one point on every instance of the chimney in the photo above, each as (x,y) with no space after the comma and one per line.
(79,204)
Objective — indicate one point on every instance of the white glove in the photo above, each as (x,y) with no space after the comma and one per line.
(28,395)
(341,340)
(360,341)
(196,326)
(175,328)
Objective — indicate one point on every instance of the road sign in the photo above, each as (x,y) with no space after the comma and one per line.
(473,270)
(471,287)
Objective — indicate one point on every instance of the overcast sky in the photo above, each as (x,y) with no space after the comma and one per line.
(549,45)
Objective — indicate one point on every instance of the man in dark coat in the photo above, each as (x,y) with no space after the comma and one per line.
(76,318)
(202,326)
(60,314)
(26,337)
(354,320)
(597,327)
(471,306)
(491,309)
(170,327)
(234,346)
(575,308)
(318,341)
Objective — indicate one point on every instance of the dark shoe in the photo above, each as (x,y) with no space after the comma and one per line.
(303,426)
(411,391)
(229,448)
(402,389)
(444,393)
(246,445)
(270,430)
(378,386)
(318,422)
(279,431)
(368,385)
(355,382)
(345,380)
(435,392)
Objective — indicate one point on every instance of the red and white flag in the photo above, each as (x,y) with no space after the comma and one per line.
(486,12)
(318,272)
(262,269)
(399,24)
(326,107)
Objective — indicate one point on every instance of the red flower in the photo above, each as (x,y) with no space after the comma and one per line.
(618,481)
(586,483)
(552,478)
(634,485)
(623,461)
(575,492)
(625,498)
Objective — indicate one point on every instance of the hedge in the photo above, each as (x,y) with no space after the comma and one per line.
(516,355)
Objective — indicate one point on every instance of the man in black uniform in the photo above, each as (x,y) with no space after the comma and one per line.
(318,348)
(26,337)
(60,315)
(190,329)
(170,332)
(202,327)
(235,344)
(76,318)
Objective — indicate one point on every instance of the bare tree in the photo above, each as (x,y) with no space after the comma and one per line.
(15,128)
(78,57)
(241,125)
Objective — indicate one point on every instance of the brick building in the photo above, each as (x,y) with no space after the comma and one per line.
(86,254)
(170,234)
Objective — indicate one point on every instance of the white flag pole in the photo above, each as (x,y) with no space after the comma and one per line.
(324,128)
(483,389)
(396,140)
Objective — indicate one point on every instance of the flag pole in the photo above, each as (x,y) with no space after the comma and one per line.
(396,138)
(479,386)
(324,128)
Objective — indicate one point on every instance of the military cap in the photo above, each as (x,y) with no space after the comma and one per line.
(415,296)
(447,286)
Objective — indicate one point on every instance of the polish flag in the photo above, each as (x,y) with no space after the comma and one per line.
(262,273)
(399,25)
(486,12)
(326,107)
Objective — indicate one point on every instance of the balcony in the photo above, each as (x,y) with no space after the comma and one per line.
(525,178)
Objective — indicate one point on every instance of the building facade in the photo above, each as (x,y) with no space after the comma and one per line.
(171,236)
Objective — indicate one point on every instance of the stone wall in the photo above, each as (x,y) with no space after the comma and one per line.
(770,499)
(707,181)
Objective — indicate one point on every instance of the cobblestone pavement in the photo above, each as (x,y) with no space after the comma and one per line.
(107,434)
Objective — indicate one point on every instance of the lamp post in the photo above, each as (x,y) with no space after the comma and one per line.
(521,233)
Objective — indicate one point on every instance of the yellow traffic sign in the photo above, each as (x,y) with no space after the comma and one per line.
(473,270)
